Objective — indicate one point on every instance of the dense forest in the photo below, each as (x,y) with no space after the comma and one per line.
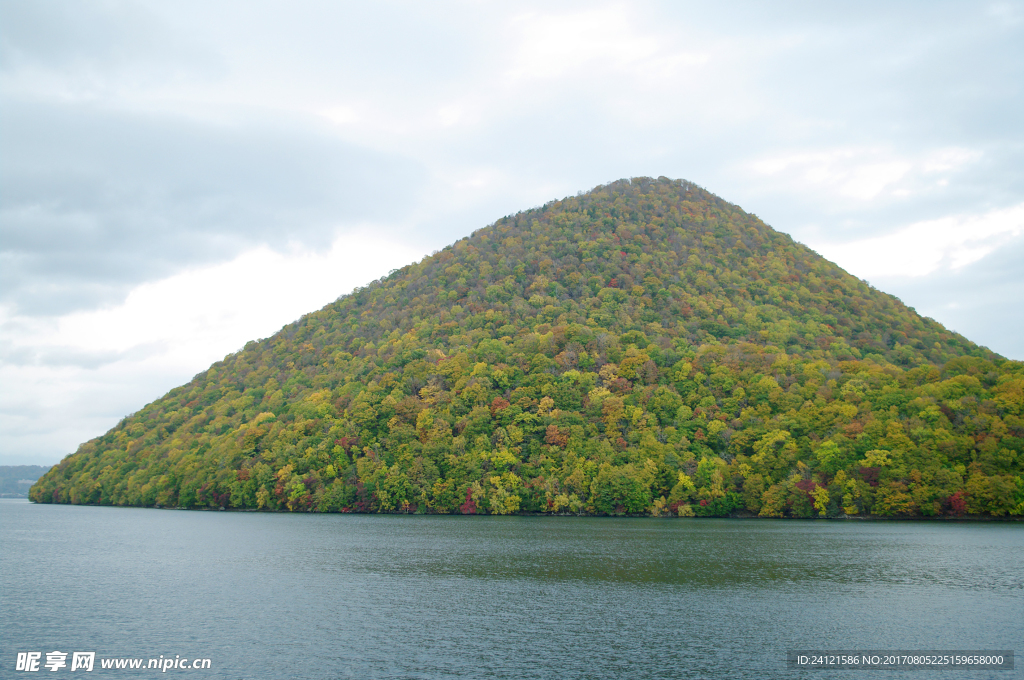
(646,347)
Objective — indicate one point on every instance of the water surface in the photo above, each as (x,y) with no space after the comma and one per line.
(350,596)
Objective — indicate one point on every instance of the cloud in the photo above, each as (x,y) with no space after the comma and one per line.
(864,174)
(162,334)
(925,247)
(97,201)
(594,40)
(1007,13)
(254,295)
(979,299)
(97,35)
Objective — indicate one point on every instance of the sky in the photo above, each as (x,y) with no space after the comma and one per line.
(177,178)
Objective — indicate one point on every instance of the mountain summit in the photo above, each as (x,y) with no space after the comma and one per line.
(646,347)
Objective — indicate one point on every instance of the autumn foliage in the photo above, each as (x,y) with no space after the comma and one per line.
(643,348)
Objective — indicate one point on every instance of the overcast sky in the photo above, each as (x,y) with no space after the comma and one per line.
(177,178)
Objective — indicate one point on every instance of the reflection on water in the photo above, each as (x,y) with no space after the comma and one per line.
(339,596)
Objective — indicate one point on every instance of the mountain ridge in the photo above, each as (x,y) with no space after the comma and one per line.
(645,347)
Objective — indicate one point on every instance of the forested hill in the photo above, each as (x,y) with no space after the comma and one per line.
(15,480)
(643,348)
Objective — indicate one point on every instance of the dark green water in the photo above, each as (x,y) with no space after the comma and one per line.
(343,596)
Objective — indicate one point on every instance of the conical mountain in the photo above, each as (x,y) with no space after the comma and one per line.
(646,347)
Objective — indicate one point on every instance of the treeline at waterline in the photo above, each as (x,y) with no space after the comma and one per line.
(646,348)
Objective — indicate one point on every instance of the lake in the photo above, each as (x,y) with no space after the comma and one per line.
(355,596)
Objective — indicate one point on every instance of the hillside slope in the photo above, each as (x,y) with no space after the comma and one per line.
(644,348)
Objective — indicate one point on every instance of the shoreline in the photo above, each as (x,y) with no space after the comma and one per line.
(735,516)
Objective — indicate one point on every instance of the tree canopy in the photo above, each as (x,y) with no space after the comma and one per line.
(646,347)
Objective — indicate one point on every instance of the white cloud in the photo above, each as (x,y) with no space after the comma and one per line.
(562,45)
(341,114)
(950,160)
(553,46)
(864,174)
(1006,13)
(921,248)
(199,315)
(77,375)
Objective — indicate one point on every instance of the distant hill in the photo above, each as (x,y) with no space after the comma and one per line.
(646,347)
(15,480)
